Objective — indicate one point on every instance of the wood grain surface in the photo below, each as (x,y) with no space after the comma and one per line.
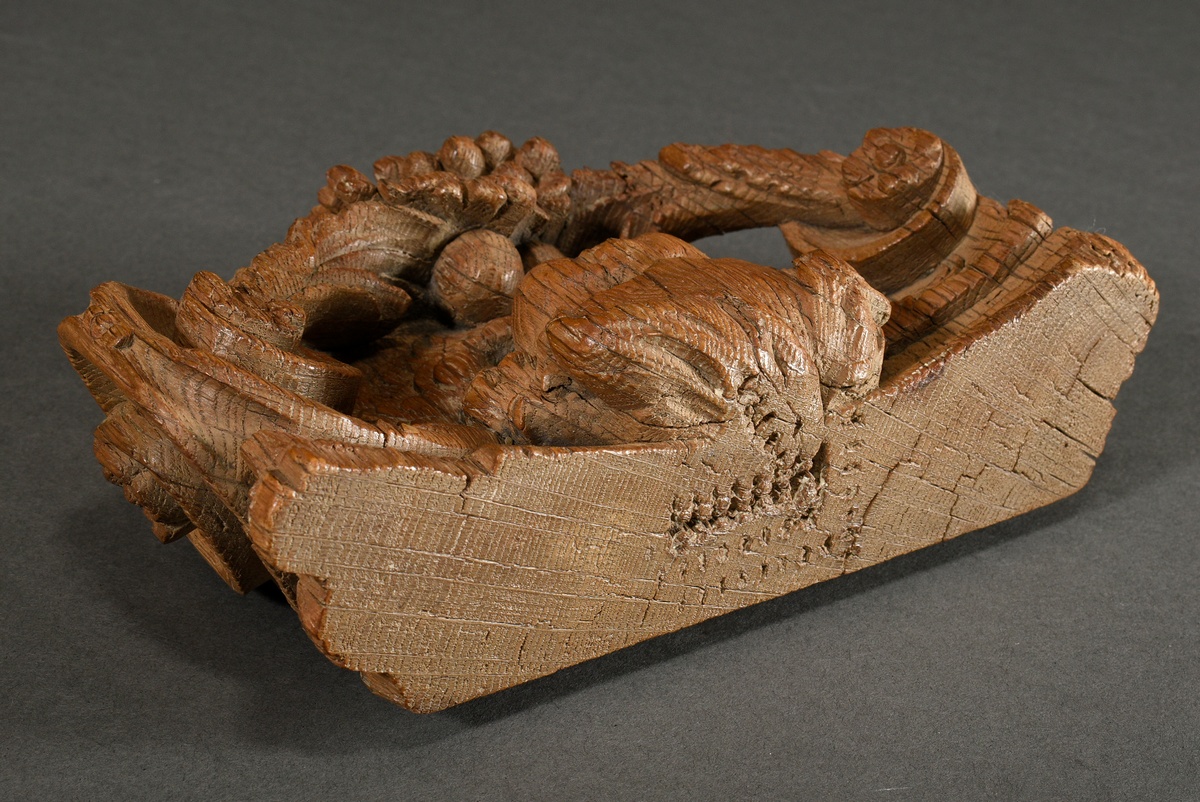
(482,419)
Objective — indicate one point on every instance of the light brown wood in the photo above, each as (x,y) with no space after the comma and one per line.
(482,420)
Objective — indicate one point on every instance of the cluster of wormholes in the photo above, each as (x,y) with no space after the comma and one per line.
(792,489)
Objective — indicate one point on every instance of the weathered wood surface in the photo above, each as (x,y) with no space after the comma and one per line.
(482,420)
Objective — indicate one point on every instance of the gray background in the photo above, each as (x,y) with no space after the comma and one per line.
(1050,657)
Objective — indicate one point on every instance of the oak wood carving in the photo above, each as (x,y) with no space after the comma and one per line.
(481,419)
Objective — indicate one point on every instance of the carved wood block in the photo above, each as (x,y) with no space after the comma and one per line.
(481,419)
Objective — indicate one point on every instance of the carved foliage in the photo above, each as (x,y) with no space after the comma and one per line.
(648,340)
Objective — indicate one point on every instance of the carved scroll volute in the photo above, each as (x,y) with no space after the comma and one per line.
(915,201)
(891,176)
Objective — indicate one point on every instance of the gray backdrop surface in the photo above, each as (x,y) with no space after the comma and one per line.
(1050,657)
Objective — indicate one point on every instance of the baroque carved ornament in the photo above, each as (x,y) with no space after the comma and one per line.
(481,419)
